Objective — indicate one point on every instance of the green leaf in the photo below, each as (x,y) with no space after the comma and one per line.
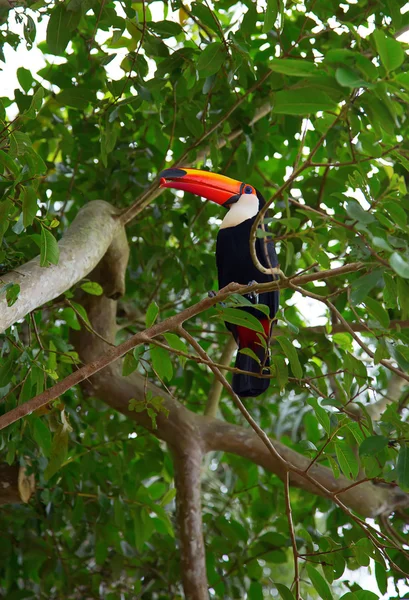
(8,162)
(20,143)
(76,97)
(270,15)
(381,353)
(29,199)
(349,78)
(305,102)
(361,554)
(236,316)
(49,249)
(177,343)
(281,371)
(60,26)
(381,578)
(255,591)
(151,314)
(321,414)
(284,592)
(357,213)
(389,50)
(397,213)
(400,265)
(249,352)
(319,583)
(240,300)
(92,287)
(362,286)
(129,364)
(378,114)
(291,354)
(12,293)
(334,466)
(355,367)
(41,435)
(381,243)
(165,29)
(294,67)
(347,460)
(373,444)
(402,467)
(168,497)
(161,362)
(204,13)
(25,78)
(36,104)
(390,292)
(81,311)
(211,59)
(377,310)
(59,450)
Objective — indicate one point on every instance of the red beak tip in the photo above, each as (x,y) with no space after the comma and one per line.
(162,182)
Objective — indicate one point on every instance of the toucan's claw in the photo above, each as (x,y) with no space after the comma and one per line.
(252,296)
(212,294)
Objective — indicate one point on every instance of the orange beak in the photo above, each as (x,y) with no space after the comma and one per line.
(214,187)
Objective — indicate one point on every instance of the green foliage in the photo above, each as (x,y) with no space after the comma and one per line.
(126,89)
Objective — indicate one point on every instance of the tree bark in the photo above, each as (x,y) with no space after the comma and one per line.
(181,425)
(82,247)
(188,434)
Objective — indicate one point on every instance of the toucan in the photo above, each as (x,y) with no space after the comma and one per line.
(234,263)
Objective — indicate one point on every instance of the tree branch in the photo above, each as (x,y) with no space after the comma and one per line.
(182,426)
(292,535)
(111,354)
(94,228)
(189,514)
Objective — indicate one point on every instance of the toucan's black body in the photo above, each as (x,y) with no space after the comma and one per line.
(234,263)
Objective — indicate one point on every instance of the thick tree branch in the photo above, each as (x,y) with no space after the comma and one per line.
(82,247)
(366,498)
(188,465)
(182,426)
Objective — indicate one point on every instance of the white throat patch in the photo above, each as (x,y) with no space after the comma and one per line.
(245,208)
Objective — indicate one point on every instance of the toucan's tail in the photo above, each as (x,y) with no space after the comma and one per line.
(247,386)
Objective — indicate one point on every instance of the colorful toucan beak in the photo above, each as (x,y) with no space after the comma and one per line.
(214,187)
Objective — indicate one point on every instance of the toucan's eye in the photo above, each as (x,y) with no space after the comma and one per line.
(248,189)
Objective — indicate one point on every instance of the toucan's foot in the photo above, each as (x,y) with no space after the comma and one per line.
(252,296)
(212,294)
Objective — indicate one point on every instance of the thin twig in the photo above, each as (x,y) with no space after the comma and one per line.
(292,534)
